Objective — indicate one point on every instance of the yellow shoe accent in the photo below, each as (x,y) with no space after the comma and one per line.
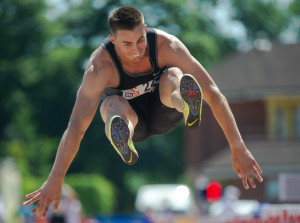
(190,124)
(130,160)
(191,94)
(119,136)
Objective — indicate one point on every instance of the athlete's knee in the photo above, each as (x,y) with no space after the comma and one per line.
(169,85)
(175,72)
(117,105)
(171,77)
(111,102)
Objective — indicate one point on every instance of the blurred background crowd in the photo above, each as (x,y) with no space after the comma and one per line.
(251,49)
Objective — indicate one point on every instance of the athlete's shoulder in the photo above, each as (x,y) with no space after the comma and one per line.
(164,39)
(100,58)
(101,67)
(169,48)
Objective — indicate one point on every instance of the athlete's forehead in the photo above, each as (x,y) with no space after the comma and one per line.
(127,40)
(129,36)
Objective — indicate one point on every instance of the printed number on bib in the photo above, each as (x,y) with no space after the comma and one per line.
(138,90)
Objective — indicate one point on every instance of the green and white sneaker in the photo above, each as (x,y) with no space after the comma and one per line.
(120,139)
(191,94)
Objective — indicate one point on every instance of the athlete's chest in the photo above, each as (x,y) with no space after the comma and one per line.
(141,67)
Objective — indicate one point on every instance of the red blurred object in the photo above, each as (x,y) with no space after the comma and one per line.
(213,191)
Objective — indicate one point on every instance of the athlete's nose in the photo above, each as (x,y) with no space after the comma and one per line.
(136,50)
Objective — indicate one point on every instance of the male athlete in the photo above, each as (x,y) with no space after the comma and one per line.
(148,81)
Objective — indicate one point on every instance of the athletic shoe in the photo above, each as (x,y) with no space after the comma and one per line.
(120,139)
(191,94)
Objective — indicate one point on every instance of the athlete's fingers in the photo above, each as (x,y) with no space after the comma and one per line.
(33,193)
(56,204)
(32,200)
(45,211)
(257,167)
(250,177)
(37,207)
(244,180)
(240,175)
(39,214)
(237,172)
(256,174)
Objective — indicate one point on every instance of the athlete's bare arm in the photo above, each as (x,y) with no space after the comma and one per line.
(172,52)
(99,74)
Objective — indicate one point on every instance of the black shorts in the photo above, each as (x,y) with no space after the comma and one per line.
(154,118)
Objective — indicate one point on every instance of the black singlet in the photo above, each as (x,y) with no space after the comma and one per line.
(142,93)
(132,86)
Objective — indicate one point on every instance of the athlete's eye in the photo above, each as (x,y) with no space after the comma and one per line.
(141,40)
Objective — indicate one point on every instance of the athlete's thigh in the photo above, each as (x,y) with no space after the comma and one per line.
(142,106)
(168,83)
(117,105)
(163,119)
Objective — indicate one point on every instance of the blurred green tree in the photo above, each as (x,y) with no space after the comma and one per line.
(262,19)
(294,9)
(23,32)
(96,193)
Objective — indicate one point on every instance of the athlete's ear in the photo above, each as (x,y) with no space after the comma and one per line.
(112,38)
(146,28)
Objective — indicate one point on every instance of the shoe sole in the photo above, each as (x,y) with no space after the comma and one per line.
(191,94)
(121,141)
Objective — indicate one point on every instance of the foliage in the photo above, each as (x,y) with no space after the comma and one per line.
(17,44)
(294,9)
(96,193)
(261,16)
(30,184)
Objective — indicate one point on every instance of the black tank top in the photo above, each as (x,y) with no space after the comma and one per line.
(132,86)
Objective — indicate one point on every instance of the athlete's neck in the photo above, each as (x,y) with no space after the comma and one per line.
(139,67)
(127,62)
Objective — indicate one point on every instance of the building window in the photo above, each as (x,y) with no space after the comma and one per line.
(283,116)
(297,114)
(280,124)
(271,190)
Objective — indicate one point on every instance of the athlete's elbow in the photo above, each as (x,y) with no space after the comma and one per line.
(76,128)
(214,96)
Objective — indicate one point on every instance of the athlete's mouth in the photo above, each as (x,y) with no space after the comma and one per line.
(137,57)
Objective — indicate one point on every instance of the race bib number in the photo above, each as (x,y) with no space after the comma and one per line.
(138,90)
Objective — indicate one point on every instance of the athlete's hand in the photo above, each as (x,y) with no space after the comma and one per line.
(49,192)
(244,166)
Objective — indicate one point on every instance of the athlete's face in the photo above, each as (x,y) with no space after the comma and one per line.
(131,44)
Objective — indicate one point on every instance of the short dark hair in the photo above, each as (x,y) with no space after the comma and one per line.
(125,17)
